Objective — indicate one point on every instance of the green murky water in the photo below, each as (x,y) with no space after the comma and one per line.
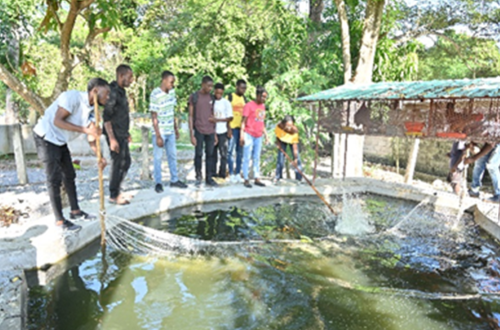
(424,276)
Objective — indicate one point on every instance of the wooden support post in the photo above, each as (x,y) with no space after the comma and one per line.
(145,153)
(332,156)
(317,142)
(22,174)
(412,161)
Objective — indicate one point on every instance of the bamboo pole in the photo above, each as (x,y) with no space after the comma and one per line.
(100,169)
(307,180)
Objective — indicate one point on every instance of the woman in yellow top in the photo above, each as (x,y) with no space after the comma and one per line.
(287,135)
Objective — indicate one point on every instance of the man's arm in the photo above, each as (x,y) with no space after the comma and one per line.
(113,143)
(242,130)
(107,116)
(191,124)
(93,145)
(60,121)
(484,150)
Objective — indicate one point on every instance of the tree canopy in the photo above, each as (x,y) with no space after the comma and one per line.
(60,44)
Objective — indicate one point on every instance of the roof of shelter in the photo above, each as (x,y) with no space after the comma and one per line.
(411,90)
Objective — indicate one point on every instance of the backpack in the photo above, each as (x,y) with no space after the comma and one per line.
(230,98)
(194,98)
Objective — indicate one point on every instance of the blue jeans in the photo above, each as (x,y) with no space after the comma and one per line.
(253,147)
(280,164)
(491,162)
(171,149)
(234,143)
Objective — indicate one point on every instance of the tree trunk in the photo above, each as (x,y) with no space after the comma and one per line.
(371,30)
(346,39)
(349,150)
(316,10)
(36,101)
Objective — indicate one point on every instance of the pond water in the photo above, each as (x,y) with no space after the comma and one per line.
(427,274)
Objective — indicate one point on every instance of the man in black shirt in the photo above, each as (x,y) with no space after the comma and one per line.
(116,128)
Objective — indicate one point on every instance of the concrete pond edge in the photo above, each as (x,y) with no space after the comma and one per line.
(43,245)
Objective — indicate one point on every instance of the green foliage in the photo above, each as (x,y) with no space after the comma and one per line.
(458,56)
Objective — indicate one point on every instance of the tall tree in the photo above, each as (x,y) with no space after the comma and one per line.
(99,17)
(348,149)
(316,10)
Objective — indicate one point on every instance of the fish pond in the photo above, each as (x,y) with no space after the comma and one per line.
(381,264)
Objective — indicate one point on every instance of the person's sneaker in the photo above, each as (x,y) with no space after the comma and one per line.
(159,188)
(239,179)
(178,184)
(232,178)
(82,216)
(494,199)
(276,181)
(473,193)
(68,226)
(212,183)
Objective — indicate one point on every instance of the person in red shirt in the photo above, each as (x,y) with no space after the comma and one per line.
(253,128)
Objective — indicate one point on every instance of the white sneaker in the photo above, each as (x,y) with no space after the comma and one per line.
(239,179)
(232,179)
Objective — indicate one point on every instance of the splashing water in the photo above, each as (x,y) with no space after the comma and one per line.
(353,220)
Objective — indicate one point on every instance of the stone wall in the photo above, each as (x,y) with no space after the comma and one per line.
(78,146)
(432,156)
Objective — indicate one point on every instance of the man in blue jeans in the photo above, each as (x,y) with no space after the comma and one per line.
(238,101)
(165,133)
(488,158)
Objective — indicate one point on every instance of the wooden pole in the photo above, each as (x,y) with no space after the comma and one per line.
(346,146)
(102,210)
(20,157)
(307,180)
(317,141)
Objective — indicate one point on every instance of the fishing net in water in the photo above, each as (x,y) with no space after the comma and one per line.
(134,238)
(131,237)
(283,223)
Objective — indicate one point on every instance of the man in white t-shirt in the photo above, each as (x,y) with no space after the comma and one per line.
(69,116)
(223,114)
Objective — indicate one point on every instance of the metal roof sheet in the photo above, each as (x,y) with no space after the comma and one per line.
(411,90)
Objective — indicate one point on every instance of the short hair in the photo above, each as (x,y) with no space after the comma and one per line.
(206,79)
(219,86)
(241,82)
(165,74)
(122,69)
(260,90)
(96,82)
(287,119)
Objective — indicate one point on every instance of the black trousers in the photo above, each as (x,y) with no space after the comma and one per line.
(221,149)
(58,168)
(120,163)
(208,141)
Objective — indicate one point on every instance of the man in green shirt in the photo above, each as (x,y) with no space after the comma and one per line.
(162,104)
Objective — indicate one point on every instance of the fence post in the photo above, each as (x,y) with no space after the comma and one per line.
(145,153)
(22,174)
(412,162)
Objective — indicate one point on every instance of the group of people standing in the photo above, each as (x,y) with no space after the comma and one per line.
(228,130)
